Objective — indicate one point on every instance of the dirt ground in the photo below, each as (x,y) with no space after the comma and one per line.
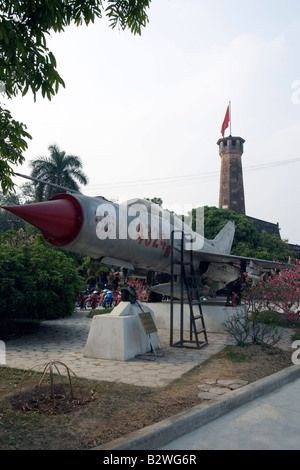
(103,411)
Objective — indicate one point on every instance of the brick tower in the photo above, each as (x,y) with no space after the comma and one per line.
(231,181)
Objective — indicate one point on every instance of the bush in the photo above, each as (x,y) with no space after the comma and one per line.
(36,281)
(246,328)
(267,299)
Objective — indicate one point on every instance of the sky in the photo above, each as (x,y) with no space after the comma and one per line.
(144,113)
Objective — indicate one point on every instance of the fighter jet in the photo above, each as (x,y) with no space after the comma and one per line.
(136,235)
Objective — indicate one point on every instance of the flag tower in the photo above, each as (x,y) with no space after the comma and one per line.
(231,180)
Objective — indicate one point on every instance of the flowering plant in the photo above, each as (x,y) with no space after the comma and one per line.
(140,287)
(278,291)
(282,292)
(259,295)
(250,328)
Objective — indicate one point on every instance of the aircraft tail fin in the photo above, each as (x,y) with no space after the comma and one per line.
(223,241)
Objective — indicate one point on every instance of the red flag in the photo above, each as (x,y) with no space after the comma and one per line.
(225,122)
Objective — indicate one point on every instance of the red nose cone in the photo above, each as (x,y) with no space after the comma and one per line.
(59,219)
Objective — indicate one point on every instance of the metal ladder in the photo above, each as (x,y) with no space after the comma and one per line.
(188,281)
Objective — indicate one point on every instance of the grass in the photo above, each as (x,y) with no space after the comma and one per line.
(231,354)
(113,409)
(59,426)
(94,312)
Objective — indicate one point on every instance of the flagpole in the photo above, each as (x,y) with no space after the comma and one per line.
(230,115)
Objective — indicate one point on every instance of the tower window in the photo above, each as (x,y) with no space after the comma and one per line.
(234,142)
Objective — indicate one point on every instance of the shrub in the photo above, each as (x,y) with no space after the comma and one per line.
(246,328)
(36,281)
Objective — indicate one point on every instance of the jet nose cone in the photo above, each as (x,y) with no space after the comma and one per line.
(59,219)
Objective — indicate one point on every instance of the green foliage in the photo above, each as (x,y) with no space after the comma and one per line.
(26,63)
(60,169)
(247,240)
(90,270)
(272,246)
(155,200)
(16,237)
(215,219)
(103,311)
(296,335)
(264,303)
(231,354)
(128,14)
(9,221)
(12,146)
(36,281)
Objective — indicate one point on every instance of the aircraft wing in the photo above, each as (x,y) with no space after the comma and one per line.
(233,259)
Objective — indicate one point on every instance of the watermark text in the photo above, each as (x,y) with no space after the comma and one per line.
(295,358)
(150,223)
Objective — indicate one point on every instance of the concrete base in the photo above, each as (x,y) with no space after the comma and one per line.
(119,335)
(215,313)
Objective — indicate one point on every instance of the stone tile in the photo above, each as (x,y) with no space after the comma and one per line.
(64,340)
(225,383)
(218,390)
(207,396)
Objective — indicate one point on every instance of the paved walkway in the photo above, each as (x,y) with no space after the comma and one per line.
(266,421)
(269,422)
(65,340)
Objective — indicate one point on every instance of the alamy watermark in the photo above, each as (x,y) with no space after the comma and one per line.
(150,223)
(2,353)
(295,358)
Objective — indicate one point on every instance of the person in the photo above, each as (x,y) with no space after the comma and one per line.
(118,298)
(101,301)
(116,281)
(108,299)
(81,299)
(94,297)
(103,278)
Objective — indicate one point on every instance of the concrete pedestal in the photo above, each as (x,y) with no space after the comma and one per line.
(214,313)
(119,335)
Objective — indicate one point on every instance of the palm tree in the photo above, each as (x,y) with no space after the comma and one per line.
(59,169)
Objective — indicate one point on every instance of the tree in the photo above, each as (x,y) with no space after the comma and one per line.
(59,169)
(91,271)
(215,219)
(156,200)
(26,63)
(247,240)
(9,221)
(26,193)
(282,291)
(12,146)
(264,302)
(36,281)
